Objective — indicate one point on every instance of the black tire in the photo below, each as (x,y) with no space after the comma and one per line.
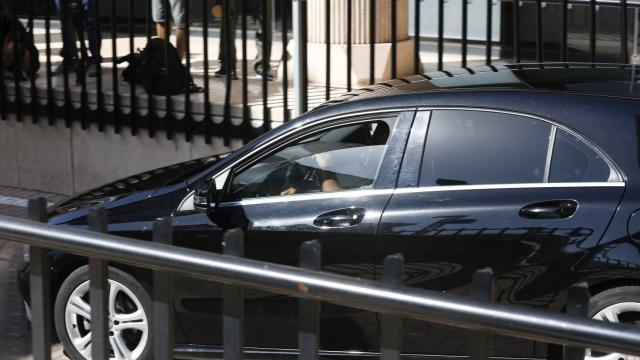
(81,276)
(613,296)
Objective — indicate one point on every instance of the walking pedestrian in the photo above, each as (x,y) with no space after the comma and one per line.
(77,18)
(178,17)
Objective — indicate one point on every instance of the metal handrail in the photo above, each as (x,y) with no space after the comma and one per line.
(407,302)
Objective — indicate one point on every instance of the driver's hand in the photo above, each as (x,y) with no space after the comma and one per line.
(289,191)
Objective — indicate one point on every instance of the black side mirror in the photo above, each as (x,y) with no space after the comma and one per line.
(205,197)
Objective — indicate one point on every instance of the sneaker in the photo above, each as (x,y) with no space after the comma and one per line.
(222,72)
(267,74)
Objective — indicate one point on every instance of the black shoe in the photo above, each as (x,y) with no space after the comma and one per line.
(222,72)
(92,70)
(268,74)
(59,70)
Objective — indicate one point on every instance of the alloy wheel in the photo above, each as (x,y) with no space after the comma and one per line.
(128,324)
(625,312)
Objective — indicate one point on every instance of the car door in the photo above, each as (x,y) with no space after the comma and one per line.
(329,183)
(522,195)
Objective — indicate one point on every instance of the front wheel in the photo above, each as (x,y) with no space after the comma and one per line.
(129,316)
(618,305)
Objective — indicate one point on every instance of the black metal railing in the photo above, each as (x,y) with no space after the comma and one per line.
(307,283)
(248,107)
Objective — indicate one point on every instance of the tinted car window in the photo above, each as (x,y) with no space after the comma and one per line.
(575,161)
(344,158)
(474,147)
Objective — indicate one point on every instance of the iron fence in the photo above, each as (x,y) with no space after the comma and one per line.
(247,107)
(307,283)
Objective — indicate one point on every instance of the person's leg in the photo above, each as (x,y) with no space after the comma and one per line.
(228,37)
(95,43)
(158,14)
(263,38)
(69,47)
(179,15)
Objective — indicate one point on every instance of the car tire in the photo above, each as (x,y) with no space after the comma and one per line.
(621,304)
(129,316)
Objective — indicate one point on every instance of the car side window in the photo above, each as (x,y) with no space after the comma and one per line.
(575,161)
(339,159)
(466,147)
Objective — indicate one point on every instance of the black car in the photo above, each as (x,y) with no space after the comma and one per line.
(531,170)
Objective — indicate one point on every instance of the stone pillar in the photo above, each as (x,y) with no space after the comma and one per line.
(360,40)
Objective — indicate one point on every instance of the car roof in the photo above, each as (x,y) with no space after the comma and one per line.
(616,80)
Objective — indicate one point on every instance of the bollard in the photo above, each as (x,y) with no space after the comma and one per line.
(481,289)
(99,291)
(391,343)
(40,288)
(233,301)
(309,310)
(163,322)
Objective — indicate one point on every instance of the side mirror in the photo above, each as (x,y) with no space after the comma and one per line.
(205,197)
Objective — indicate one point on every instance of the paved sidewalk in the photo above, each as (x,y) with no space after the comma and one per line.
(15,337)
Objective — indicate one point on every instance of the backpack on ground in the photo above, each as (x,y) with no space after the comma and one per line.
(147,68)
(18,40)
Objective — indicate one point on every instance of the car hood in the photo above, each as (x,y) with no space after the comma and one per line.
(134,187)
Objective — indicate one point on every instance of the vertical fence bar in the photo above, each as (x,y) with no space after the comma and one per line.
(114,73)
(327,39)
(309,310)
(79,23)
(228,58)
(99,292)
(440,34)
(465,30)
(394,39)
(207,94)
(539,43)
(99,94)
(416,44)
(17,75)
(47,38)
(266,49)
(151,125)
(246,120)
(372,40)
(168,115)
(577,305)
(40,288)
(3,95)
(64,14)
(300,61)
(592,31)
(516,31)
(391,343)
(285,63)
(163,322)
(624,42)
(349,42)
(233,301)
(481,289)
(133,100)
(187,94)
(32,74)
(565,29)
(489,32)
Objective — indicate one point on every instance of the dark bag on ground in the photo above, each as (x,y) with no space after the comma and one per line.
(16,39)
(147,68)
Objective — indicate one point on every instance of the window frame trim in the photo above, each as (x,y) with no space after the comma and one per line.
(619,174)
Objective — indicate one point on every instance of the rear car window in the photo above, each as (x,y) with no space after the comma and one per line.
(474,147)
(575,161)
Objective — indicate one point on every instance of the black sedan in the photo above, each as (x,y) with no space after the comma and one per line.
(533,171)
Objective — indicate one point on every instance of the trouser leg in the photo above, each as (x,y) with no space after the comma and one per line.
(264,36)
(228,35)
(90,26)
(69,47)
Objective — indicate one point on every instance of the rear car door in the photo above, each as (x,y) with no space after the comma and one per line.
(329,184)
(522,195)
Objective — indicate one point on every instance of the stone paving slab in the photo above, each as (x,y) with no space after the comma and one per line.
(15,337)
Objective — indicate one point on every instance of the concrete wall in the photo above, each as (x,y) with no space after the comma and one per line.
(69,161)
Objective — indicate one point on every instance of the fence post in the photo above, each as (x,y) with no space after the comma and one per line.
(481,289)
(577,305)
(391,344)
(98,291)
(163,322)
(233,301)
(309,310)
(300,56)
(40,288)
